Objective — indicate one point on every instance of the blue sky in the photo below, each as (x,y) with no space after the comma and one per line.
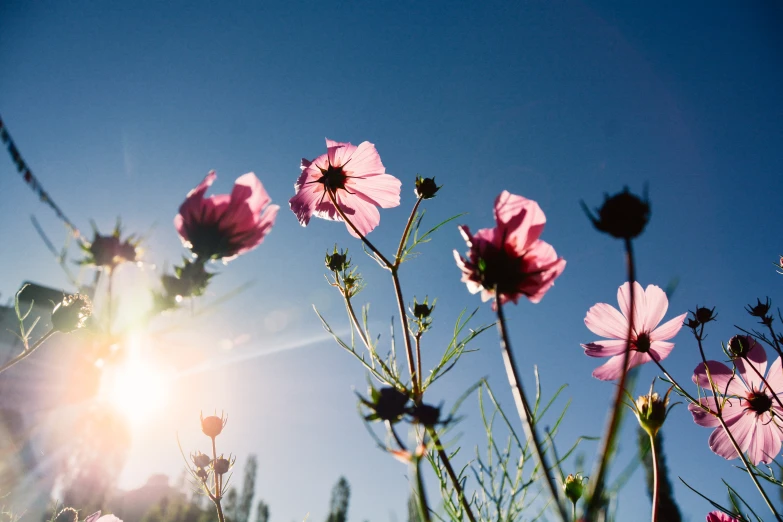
(121,108)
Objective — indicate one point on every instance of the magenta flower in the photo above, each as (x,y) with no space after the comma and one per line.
(509,258)
(648,340)
(225,226)
(357,179)
(748,406)
(719,516)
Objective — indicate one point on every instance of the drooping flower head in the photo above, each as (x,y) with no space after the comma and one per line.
(748,408)
(110,251)
(225,225)
(509,259)
(356,179)
(720,516)
(648,340)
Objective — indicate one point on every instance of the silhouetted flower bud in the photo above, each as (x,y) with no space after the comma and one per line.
(704,315)
(740,345)
(110,251)
(425,414)
(426,188)
(692,322)
(71,313)
(202,474)
(213,425)
(201,460)
(574,487)
(387,404)
(761,310)
(623,215)
(67,515)
(337,261)
(221,465)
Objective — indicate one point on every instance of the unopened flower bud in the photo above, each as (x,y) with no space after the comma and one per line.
(200,460)
(740,345)
(692,322)
(623,215)
(387,404)
(704,315)
(425,414)
(426,188)
(651,411)
(574,487)
(67,515)
(761,310)
(337,261)
(202,474)
(71,313)
(212,426)
(221,465)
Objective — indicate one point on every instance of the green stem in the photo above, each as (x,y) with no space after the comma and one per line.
(656,478)
(27,350)
(597,480)
(424,510)
(404,238)
(523,407)
(444,458)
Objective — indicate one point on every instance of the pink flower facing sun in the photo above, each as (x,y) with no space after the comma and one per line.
(357,179)
(510,257)
(719,516)
(749,406)
(648,340)
(225,226)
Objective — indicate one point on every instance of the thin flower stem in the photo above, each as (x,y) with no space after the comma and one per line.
(27,350)
(404,238)
(217,479)
(397,439)
(523,408)
(444,458)
(418,359)
(776,343)
(363,337)
(597,489)
(656,478)
(366,241)
(108,300)
(424,510)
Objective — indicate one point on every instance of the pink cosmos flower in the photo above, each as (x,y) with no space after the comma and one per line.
(648,340)
(510,257)
(720,516)
(358,180)
(225,226)
(748,407)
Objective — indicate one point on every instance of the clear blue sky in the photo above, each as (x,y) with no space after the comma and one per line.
(121,109)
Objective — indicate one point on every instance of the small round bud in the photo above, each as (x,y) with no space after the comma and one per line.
(213,425)
(740,345)
(426,188)
(200,460)
(388,404)
(692,322)
(651,411)
(574,487)
(623,215)
(760,309)
(67,515)
(425,415)
(71,313)
(337,261)
(202,474)
(422,311)
(221,465)
(704,315)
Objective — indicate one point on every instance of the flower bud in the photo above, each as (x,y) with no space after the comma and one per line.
(337,261)
(425,415)
(67,515)
(623,215)
(200,460)
(388,404)
(212,426)
(202,474)
(426,188)
(574,487)
(71,313)
(704,315)
(761,310)
(740,345)
(651,411)
(692,322)
(221,465)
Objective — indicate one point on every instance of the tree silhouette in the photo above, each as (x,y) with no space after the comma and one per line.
(262,512)
(245,503)
(341,494)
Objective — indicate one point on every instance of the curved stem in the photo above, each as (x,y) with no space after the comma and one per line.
(406,334)
(366,241)
(597,489)
(656,478)
(424,510)
(444,458)
(404,238)
(775,342)
(27,351)
(523,408)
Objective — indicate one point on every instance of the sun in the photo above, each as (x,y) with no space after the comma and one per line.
(137,387)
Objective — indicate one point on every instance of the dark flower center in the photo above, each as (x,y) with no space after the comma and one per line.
(333,178)
(210,242)
(759,402)
(500,270)
(643,343)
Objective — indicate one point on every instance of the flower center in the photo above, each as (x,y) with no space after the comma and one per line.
(333,178)
(643,343)
(759,402)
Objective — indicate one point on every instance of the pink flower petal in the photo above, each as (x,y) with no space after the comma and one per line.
(640,307)
(248,191)
(756,365)
(731,410)
(605,348)
(613,369)
(719,516)
(363,215)
(668,329)
(604,320)
(660,350)
(775,377)
(657,304)
(339,153)
(382,190)
(765,444)
(521,218)
(722,376)
(720,443)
